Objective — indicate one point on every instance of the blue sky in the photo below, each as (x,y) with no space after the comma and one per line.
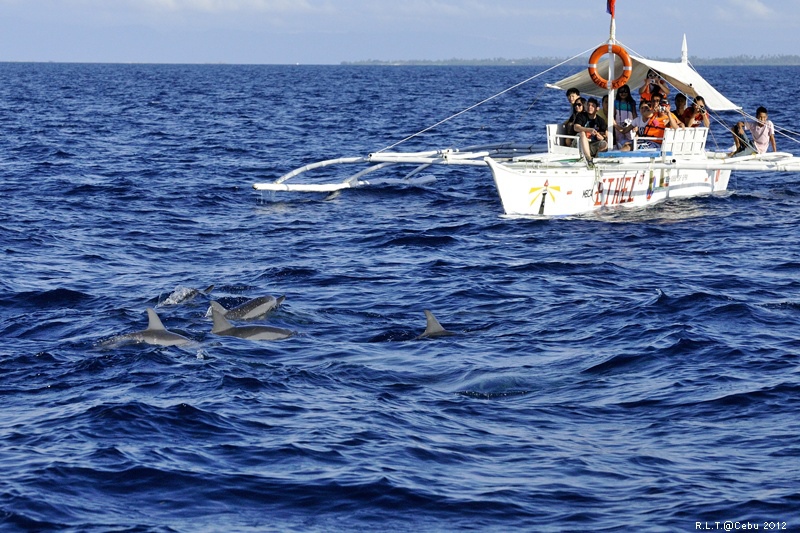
(332,31)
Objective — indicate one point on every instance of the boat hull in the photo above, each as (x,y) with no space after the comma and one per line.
(573,188)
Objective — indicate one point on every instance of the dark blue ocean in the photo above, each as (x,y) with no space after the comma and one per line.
(623,371)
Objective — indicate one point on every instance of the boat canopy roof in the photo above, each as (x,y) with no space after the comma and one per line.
(679,74)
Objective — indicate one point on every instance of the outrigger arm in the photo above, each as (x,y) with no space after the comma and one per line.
(470,156)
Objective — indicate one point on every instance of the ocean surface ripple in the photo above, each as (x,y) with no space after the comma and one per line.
(636,369)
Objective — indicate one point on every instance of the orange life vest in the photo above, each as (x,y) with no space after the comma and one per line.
(646,94)
(655,127)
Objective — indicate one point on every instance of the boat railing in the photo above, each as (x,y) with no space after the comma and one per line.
(680,141)
(559,142)
(676,142)
(642,143)
(684,141)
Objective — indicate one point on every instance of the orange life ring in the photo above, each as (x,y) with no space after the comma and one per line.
(627,66)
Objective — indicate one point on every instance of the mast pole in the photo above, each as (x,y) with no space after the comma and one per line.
(612,40)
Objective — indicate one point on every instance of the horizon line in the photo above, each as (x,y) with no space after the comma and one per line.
(738,60)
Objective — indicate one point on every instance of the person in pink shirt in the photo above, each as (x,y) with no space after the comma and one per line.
(762,130)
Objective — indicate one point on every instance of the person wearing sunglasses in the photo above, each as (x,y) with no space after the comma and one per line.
(624,115)
(653,84)
(569,125)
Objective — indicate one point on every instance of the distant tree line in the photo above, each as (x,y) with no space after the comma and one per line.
(740,60)
(780,60)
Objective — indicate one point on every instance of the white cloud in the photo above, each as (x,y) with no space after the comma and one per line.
(216,6)
(325,31)
(745,8)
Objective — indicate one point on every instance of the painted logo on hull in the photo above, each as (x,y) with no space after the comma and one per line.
(544,191)
(615,191)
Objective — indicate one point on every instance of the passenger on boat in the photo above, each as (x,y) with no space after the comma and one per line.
(654,84)
(742,145)
(573,95)
(624,115)
(651,125)
(592,129)
(763,131)
(569,125)
(680,105)
(696,114)
(603,111)
(661,107)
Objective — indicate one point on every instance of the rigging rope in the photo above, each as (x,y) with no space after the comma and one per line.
(470,108)
(785,132)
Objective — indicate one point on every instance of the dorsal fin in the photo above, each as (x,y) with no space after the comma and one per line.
(218,306)
(432,326)
(220,322)
(153,322)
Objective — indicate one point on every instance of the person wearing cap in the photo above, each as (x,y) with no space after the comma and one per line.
(662,109)
(651,123)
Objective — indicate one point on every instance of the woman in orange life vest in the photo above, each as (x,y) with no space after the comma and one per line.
(651,123)
(696,114)
(654,84)
(660,105)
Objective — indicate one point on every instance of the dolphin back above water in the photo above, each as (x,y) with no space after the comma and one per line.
(433,328)
(251,309)
(184,294)
(155,333)
(256,333)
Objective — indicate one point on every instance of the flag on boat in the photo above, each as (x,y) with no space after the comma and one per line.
(610,7)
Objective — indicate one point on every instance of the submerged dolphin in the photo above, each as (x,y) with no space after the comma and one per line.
(256,333)
(184,294)
(155,333)
(433,328)
(251,309)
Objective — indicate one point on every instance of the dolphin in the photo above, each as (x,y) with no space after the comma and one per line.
(155,333)
(256,333)
(251,309)
(433,328)
(184,294)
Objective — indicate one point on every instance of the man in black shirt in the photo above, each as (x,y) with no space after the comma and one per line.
(592,129)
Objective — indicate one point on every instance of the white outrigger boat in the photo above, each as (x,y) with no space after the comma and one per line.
(556,180)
